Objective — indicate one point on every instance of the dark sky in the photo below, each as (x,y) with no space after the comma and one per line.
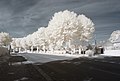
(22,17)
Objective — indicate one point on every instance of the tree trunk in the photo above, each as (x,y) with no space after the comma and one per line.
(79,50)
(25,50)
(37,49)
(74,50)
(19,50)
(69,43)
(32,49)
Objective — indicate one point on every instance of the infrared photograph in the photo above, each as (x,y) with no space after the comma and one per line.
(59,40)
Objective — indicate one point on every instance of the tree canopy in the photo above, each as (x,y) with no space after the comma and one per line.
(64,26)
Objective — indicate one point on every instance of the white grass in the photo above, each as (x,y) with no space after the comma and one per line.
(112,53)
(106,53)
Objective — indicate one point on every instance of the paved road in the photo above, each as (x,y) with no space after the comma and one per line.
(79,69)
(43,58)
(83,69)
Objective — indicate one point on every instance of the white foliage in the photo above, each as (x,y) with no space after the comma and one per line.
(63,26)
(23,43)
(39,37)
(18,42)
(115,36)
(113,42)
(13,43)
(87,28)
(5,39)
(68,25)
(29,40)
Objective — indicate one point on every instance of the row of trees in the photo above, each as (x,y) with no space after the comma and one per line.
(63,30)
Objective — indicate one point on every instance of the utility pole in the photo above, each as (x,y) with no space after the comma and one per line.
(95,40)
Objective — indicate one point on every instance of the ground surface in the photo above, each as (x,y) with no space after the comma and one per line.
(84,69)
(43,58)
(79,69)
(19,73)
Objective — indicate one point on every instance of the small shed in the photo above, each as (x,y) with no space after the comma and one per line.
(99,50)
